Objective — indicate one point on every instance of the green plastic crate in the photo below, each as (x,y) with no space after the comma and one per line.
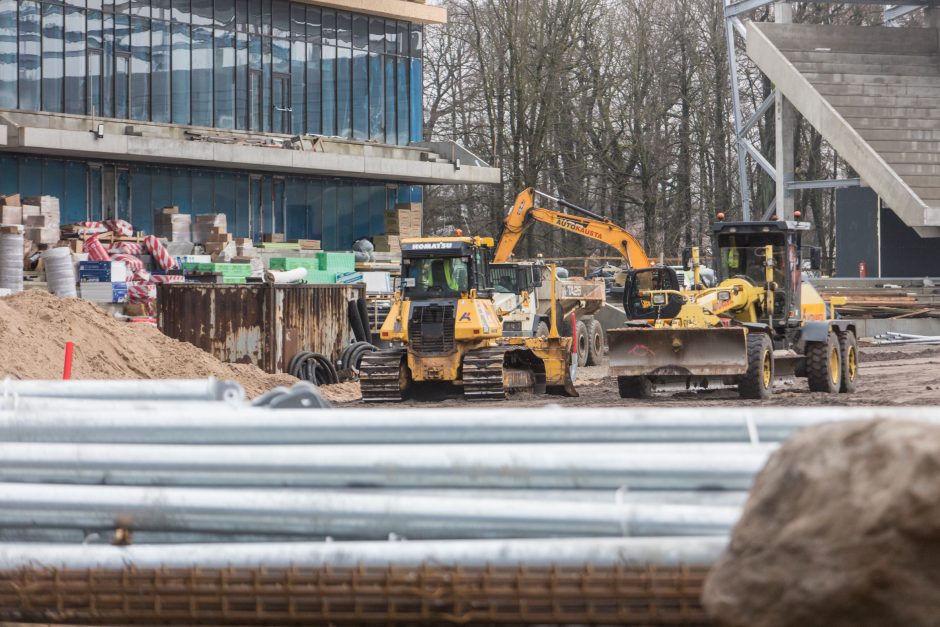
(320,277)
(233,280)
(291,263)
(337,262)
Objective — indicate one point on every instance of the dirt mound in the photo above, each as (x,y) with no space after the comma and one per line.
(342,392)
(35,325)
(842,527)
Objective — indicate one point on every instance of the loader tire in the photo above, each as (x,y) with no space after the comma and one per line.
(634,387)
(596,343)
(758,381)
(848,348)
(824,365)
(584,343)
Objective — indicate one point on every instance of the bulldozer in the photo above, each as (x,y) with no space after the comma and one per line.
(760,323)
(447,331)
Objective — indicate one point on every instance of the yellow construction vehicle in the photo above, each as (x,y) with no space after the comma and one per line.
(448,330)
(583,222)
(761,322)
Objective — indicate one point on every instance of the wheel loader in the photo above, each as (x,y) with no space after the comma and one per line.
(761,322)
(449,334)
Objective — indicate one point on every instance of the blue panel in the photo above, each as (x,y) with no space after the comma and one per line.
(415,101)
(298,71)
(161,193)
(328,90)
(402,102)
(53,178)
(202,76)
(240,228)
(9,174)
(29,59)
(344,215)
(8,54)
(141,214)
(181,70)
(160,77)
(391,133)
(328,239)
(376,99)
(202,193)
(107,66)
(360,95)
(95,207)
(224,79)
(182,190)
(266,84)
(315,209)
(140,69)
(313,88)
(53,59)
(344,92)
(376,209)
(30,183)
(296,209)
(74,204)
(121,85)
(241,81)
(361,216)
(74,60)
(225,196)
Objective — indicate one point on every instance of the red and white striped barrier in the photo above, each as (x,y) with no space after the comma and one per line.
(127,248)
(160,253)
(91,227)
(120,227)
(168,278)
(141,292)
(95,250)
(133,263)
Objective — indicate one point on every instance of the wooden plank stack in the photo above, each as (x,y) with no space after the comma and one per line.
(887,302)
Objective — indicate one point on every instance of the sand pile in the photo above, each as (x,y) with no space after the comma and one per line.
(346,392)
(35,325)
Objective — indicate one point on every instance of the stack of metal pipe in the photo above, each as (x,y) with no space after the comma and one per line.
(483,484)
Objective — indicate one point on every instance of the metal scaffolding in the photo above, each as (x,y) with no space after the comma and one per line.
(782,170)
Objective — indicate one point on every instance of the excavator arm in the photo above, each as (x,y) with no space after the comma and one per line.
(584,223)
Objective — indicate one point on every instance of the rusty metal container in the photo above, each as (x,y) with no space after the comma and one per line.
(264,324)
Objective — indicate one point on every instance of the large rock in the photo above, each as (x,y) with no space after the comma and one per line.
(842,528)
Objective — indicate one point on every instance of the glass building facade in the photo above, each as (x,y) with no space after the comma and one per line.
(260,65)
(269,66)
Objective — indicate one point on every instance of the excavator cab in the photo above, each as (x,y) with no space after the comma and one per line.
(651,294)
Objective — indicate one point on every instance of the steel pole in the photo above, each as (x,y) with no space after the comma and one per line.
(542,551)
(210,389)
(563,466)
(345,515)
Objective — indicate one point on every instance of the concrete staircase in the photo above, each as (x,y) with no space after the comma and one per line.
(874,95)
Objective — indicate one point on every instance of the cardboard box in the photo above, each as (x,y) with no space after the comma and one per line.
(13,200)
(392,225)
(244,242)
(104,292)
(102,271)
(169,211)
(11,214)
(309,244)
(39,222)
(44,235)
(31,210)
(273,238)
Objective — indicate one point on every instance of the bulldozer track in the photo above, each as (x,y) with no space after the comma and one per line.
(380,376)
(483,373)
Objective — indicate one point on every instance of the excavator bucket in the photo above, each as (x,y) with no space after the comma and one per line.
(645,351)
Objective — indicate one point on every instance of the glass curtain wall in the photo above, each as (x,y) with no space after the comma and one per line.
(265,65)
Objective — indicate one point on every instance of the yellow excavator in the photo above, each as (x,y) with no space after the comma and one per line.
(761,322)
(586,223)
(448,332)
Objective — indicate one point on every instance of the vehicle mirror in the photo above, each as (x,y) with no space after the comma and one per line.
(815,258)
(408,282)
(724,295)
(536,276)
(659,298)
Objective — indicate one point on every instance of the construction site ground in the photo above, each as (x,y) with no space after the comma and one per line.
(890,375)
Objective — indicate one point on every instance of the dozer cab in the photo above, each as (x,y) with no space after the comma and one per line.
(761,322)
(449,332)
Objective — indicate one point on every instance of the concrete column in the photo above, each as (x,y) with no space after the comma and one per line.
(786,153)
(783,12)
(932,17)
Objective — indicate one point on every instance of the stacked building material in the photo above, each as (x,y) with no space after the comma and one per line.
(41,217)
(172,225)
(11,209)
(205,225)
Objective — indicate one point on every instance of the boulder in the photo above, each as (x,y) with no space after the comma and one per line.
(842,527)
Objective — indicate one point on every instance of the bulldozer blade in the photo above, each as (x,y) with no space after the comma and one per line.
(677,352)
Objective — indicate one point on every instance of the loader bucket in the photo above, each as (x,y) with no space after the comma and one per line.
(677,352)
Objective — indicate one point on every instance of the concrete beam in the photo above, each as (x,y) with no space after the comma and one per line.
(370,162)
(399,9)
(785,126)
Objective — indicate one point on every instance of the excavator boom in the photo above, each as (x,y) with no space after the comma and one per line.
(583,222)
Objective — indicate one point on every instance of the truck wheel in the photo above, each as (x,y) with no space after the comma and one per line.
(596,343)
(541,329)
(758,381)
(848,348)
(824,365)
(584,343)
(634,387)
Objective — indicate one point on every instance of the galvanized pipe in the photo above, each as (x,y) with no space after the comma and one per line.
(345,515)
(40,420)
(559,466)
(210,389)
(542,551)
